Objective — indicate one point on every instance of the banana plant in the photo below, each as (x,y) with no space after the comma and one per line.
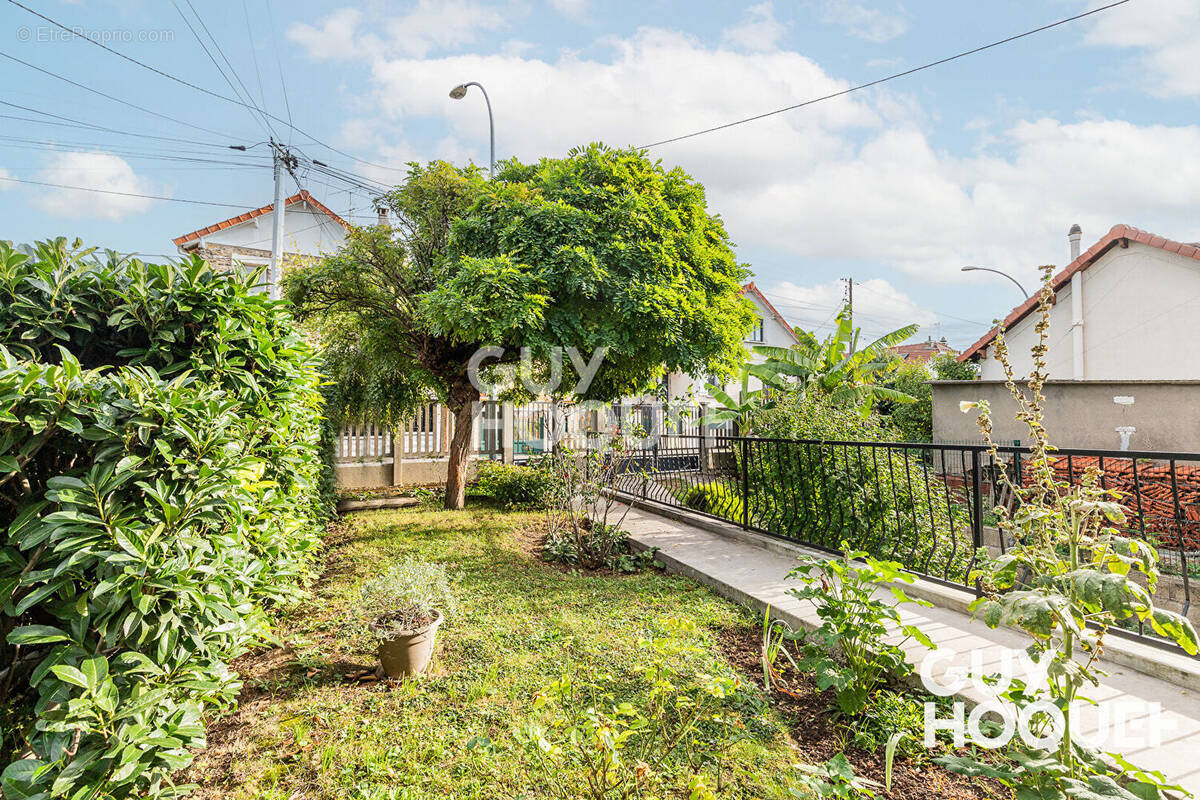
(751,400)
(836,365)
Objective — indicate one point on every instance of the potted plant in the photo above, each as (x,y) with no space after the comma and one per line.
(402,610)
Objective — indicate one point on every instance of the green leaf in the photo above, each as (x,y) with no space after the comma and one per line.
(37,634)
(71,675)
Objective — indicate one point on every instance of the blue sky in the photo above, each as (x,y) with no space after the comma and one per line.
(987,160)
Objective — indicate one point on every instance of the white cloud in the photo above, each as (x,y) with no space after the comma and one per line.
(92,170)
(431,25)
(1167,33)
(851,180)
(858,20)
(758,30)
(571,8)
(879,307)
(5,185)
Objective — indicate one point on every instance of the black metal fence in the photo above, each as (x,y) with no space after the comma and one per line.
(929,506)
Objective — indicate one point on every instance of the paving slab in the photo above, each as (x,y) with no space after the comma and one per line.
(1158,703)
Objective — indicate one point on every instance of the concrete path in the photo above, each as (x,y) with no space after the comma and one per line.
(1150,697)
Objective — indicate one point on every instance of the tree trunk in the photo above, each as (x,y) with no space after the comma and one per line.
(462,405)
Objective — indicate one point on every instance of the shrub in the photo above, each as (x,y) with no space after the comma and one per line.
(583,516)
(715,498)
(158,459)
(405,598)
(884,500)
(513,486)
(851,651)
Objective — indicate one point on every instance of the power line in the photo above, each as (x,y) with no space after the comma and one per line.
(77,123)
(94,147)
(262,95)
(885,79)
(123,194)
(278,63)
(114,99)
(261,118)
(200,89)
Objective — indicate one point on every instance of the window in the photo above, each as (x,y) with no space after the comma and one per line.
(756,333)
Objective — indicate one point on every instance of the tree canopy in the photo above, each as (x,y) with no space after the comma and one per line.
(601,249)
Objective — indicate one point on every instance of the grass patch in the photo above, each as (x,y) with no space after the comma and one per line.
(312,724)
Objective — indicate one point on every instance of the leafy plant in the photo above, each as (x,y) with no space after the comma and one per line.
(835,778)
(849,651)
(886,715)
(1067,580)
(716,498)
(836,366)
(584,517)
(162,488)
(404,598)
(591,743)
(885,499)
(513,486)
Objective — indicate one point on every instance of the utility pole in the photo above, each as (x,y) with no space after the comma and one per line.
(850,307)
(284,160)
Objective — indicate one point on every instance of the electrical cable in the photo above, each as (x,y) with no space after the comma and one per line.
(877,81)
(116,99)
(201,89)
(123,194)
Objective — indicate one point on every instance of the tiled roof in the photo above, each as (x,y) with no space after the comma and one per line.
(750,288)
(921,351)
(302,197)
(1117,234)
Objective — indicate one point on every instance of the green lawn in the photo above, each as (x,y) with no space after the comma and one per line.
(309,727)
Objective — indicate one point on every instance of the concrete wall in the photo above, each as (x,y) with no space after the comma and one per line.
(1139,302)
(411,472)
(1080,414)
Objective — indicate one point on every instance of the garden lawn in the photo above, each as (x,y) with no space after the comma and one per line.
(312,724)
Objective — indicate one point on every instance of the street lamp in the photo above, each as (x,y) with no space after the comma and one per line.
(998,272)
(458,93)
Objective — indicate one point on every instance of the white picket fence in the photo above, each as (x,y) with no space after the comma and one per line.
(426,435)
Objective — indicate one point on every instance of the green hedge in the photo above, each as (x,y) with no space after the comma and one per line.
(160,485)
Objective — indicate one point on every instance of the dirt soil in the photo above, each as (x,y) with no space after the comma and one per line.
(820,736)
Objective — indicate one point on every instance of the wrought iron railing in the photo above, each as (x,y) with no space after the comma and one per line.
(929,506)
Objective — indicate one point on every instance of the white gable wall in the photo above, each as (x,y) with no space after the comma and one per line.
(775,334)
(306,232)
(1139,302)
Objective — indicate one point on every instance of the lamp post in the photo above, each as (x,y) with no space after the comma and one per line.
(998,272)
(458,93)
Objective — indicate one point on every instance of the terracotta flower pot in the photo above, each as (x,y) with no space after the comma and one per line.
(409,653)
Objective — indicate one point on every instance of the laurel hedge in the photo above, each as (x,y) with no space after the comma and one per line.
(160,490)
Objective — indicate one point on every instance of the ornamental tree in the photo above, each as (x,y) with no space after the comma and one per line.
(604,251)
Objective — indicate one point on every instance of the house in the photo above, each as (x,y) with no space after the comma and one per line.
(310,229)
(1122,371)
(922,352)
(770,328)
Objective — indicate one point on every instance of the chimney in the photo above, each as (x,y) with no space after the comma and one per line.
(1075,234)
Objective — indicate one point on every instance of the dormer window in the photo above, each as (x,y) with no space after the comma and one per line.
(756,333)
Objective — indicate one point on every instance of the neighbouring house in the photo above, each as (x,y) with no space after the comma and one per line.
(770,328)
(922,352)
(310,229)
(1122,371)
